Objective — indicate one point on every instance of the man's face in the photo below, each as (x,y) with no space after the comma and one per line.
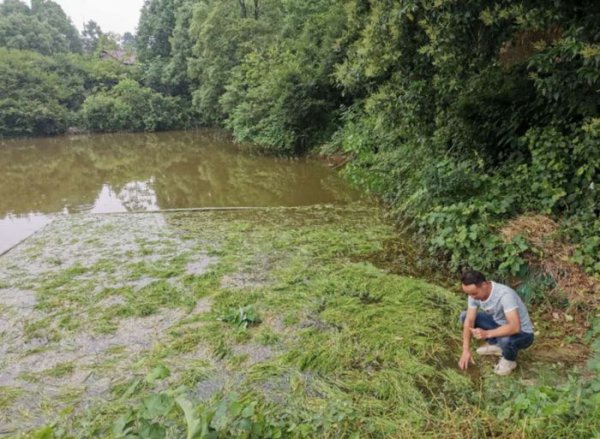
(477,292)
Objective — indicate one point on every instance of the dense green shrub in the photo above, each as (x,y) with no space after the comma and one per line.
(41,95)
(130,107)
(105,113)
(466,115)
(44,78)
(34,94)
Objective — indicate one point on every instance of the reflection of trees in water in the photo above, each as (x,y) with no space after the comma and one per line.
(179,169)
(139,195)
(223,178)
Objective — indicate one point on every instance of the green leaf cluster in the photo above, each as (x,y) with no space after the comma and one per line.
(243,317)
(128,106)
(43,27)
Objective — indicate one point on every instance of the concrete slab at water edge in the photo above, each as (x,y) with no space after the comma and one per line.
(16,298)
(83,255)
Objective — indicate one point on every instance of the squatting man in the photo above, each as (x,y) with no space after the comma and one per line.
(504,323)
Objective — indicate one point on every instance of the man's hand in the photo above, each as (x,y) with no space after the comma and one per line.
(465,359)
(479,334)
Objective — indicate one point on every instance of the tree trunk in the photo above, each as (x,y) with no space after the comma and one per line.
(243,11)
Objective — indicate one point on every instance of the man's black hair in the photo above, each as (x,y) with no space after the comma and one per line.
(472,278)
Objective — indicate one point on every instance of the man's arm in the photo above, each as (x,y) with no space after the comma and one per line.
(469,323)
(512,327)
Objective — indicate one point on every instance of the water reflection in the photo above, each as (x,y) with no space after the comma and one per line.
(107,201)
(139,195)
(141,172)
(14,229)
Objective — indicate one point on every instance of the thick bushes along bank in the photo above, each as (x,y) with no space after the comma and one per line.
(42,95)
(469,115)
(130,107)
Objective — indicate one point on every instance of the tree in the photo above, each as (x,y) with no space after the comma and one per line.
(175,72)
(153,41)
(131,107)
(109,41)
(54,15)
(282,97)
(157,21)
(91,36)
(43,28)
(128,42)
(222,38)
(35,93)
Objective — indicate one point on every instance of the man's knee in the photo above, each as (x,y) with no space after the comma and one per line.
(463,316)
(503,341)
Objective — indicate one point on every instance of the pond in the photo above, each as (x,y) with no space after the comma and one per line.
(43,177)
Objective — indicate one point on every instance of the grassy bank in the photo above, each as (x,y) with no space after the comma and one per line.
(269,323)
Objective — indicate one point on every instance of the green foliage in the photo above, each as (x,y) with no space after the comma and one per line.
(584,230)
(242,317)
(156,24)
(149,418)
(153,42)
(34,94)
(223,33)
(158,373)
(41,95)
(100,75)
(466,116)
(130,107)
(105,113)
(533,289)
(91,36)
(43,28)
(282,98)
(235,415)
(174,73)
(571,409)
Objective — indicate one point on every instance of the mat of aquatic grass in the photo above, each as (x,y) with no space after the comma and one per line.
(263,323)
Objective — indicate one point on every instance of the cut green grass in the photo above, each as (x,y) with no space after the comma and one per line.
(291,332)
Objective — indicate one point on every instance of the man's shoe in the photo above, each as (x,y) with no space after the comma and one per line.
(489,349)
(504,366)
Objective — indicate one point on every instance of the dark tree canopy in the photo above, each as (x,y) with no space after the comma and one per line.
(43,28)
(91,36)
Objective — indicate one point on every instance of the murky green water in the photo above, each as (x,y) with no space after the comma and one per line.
(43,177)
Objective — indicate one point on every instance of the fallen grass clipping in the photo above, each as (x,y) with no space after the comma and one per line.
(265,324)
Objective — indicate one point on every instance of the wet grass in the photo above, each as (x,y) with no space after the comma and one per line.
(290,330)
(8,396)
